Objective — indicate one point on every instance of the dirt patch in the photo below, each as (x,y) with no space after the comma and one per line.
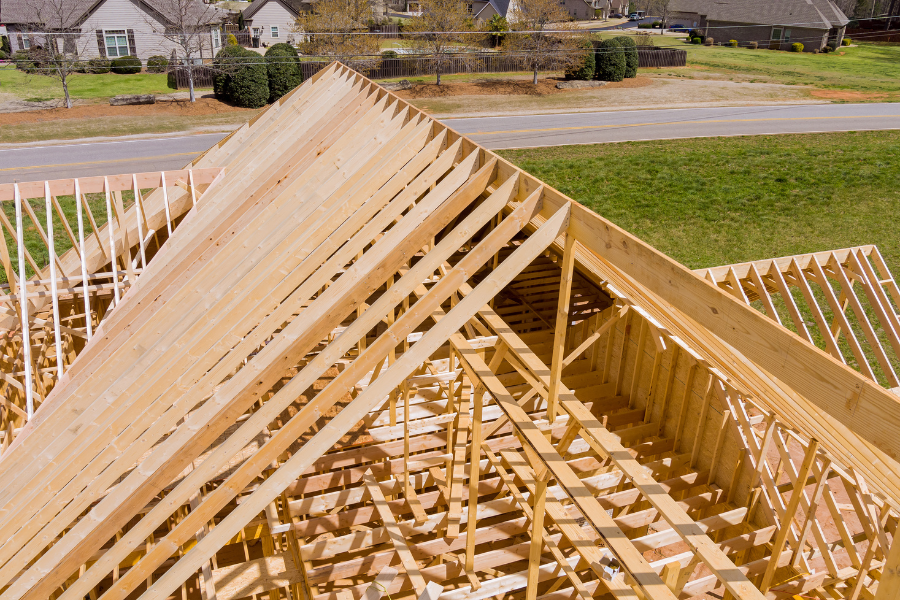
(504,87)
(182,108)
(846,95)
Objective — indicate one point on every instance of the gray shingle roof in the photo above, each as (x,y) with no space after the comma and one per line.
(817,14)
(61,14)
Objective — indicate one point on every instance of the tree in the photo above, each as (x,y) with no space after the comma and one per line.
(442,32)
(56,41)
(498,26)
(631,55)
(662,9)
(610,59)
(283,66)
(333,29)
(189,27)
(241,77)
(583,71)
(545,37)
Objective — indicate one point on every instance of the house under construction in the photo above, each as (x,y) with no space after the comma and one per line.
(349,354)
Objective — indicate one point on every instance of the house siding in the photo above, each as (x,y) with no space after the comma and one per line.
(144,42)
(274,13)
(579,9)
(721,31)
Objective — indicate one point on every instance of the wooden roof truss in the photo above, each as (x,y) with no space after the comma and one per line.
(374,359)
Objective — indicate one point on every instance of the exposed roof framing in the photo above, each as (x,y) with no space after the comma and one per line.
(374,359)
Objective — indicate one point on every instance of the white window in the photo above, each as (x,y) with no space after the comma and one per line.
(116,42)
(24,42)
(217,37)
(257,31)
(274,32)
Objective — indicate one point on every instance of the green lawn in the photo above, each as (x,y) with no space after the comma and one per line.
(872,68)
(717,201)
(84,86)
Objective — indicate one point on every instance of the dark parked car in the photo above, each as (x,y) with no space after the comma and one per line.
(616,15)
(678,27)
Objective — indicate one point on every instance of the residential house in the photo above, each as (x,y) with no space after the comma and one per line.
(111,28)
(273,21)
(604,9)
(771,23)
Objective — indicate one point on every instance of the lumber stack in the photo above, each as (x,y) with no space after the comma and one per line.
(374,359)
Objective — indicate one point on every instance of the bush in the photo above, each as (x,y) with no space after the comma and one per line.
(656,24)
(826,50)
(733,43)
(4,45)
(25,62)
(610,61)
(389,54)
(157,64)
(81,66)
(694,33)
(753,45)
(126,65)
(708,41)
(3,55)
(846,42)
(796,47)
(832,46)
(231,40)
(583,71)
(645,26)
(98,66)
(283,67)
(631,55)
(242,79)
(697,40)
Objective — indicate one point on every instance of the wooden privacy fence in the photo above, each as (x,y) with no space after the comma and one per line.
(487,62)
(650,56)
(203,78)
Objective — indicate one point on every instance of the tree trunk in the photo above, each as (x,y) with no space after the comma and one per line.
(534,81)
(439,77)
(65,83)
(191,80)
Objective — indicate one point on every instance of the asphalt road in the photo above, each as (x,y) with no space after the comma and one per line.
(622,126)
(136,156)
(38,163)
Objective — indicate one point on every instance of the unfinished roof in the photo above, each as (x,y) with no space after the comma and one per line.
(374,358)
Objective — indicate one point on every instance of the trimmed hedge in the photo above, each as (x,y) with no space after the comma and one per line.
(583,71)
(98,66)
(708,41)
(631,55)
(126,65)
(610,61)
(733,43)
(4,45)
(242,77)
(283,70)
(753,45)
(389,54)
(797,47)
(697,40)
(157,64)
(846,41)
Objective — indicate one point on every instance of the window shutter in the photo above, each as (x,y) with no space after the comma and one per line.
(132,48)
(101,43)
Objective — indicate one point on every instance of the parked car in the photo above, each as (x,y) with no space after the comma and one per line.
(617,15)
(678,28)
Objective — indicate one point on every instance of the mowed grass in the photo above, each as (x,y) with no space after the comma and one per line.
(716,201)
(868,67)
(81,85)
